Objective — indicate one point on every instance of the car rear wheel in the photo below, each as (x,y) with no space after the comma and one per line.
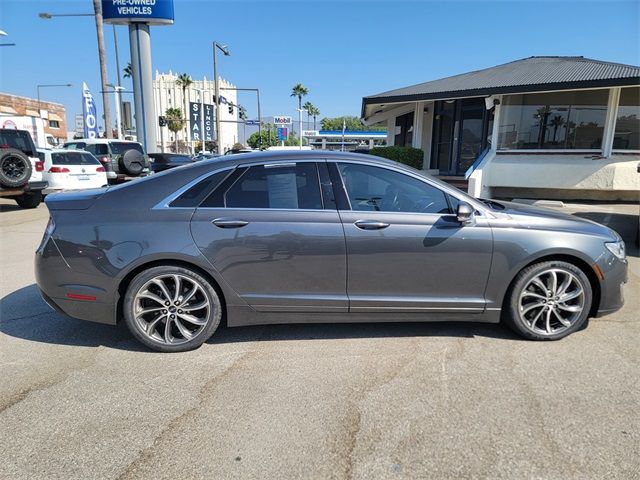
(15,168)
(172,309)
(549,300)
(29,200)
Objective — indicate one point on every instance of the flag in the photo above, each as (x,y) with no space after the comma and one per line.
(89,116)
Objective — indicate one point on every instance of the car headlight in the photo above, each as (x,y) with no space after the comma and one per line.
(617,248)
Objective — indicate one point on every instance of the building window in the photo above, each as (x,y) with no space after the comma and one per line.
(561,120)
(627,133)
(54,124)
(404,130)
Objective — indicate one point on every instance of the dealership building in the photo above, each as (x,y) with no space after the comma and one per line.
(540,127)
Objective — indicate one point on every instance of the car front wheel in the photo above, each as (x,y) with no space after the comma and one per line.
(172,309)
(549,300)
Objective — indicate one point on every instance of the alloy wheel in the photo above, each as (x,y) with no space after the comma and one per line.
(551,302)
(13,167)
(171,309)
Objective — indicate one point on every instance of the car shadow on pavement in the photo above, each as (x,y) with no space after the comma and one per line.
(24,315)
(7,207)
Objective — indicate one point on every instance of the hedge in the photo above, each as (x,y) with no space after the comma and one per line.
(410,156)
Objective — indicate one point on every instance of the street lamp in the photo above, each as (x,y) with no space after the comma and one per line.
(224,49)
(38,87)
(101,54)
(118,89)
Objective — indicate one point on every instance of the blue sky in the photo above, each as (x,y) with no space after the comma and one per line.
(340,50)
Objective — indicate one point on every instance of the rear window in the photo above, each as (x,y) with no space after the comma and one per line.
(74,158)
(75,145)
(118,148)
(19,140)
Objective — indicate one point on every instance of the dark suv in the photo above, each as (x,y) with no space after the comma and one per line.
(120,158)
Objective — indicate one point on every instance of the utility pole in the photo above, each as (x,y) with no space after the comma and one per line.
(103,68)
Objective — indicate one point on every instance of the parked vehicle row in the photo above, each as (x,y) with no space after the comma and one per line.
(21,171)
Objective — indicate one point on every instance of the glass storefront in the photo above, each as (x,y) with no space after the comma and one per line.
(559,120)
(627,132)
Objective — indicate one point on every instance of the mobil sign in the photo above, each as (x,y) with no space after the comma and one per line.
(282,120)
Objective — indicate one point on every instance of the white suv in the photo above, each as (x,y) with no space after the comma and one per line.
(120,158)
(66,170)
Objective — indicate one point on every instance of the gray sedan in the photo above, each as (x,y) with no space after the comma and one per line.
(316,236)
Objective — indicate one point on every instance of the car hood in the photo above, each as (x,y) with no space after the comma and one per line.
(528,216)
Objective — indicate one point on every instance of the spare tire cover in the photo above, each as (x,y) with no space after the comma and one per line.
(132,162)
(15,168)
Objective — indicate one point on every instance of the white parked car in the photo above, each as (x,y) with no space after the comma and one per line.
(71,170)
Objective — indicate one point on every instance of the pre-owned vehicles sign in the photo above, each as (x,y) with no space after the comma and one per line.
(153,12)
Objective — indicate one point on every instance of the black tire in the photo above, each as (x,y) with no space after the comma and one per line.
(141,283)
(15,168)
(132,162)
(523,324)
(29,200)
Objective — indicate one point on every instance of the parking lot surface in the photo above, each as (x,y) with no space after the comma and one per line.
(451,400)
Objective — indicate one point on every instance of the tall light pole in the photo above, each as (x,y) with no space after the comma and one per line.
(101,55)
(38,87)
(118,89)
(225,50)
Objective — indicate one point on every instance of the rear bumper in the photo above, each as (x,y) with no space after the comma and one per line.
(56,281)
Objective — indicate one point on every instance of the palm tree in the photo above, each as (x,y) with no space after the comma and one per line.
(175,122)
(314,113)
(128,71)
(299,90)
(185,81)
(308,107)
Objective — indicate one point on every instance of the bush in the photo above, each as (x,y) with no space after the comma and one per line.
(410,156)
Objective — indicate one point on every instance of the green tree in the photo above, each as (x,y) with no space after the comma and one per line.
(128,71)
(263,139)
(353,124)
(185,81)
(314,113)
(299,91)
(175,122)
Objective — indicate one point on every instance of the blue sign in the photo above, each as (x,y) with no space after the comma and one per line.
(153,12)
(282,133)
(252,122)
(89,117)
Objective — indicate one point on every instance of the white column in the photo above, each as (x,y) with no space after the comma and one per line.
(391,131)
(418,123)
(610,121)
(496,124)
(427,133)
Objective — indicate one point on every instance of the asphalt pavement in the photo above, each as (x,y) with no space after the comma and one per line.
(399,401)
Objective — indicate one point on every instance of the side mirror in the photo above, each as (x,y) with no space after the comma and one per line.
(464,213)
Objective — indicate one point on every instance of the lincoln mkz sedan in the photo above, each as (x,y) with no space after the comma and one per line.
(316,236)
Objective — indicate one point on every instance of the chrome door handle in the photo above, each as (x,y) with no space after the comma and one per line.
(370,225)
(229,223)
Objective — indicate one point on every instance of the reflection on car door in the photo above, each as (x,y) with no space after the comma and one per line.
(406,251)
(274,239)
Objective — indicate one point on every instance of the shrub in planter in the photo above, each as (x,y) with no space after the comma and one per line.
(410,156)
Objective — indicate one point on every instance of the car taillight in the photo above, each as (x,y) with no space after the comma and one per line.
(104,159)
(100,169)
(39,166)
(59,170)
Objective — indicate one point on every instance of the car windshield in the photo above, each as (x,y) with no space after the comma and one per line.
(118,148)
(74,158)
(19,140)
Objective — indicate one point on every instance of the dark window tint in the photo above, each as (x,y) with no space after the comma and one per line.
(627,134)
(279,186)
(75,146)
(98,149)
(41,156)
(118,148)
(74,158)
(194,196)
(379,189)
(19,140)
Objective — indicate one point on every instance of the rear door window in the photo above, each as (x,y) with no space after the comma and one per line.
(118,148)
(18,139)
(73,158)
(281,186)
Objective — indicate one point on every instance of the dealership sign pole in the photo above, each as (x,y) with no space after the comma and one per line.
(139,15)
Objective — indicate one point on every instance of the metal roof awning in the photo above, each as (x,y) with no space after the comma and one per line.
(7,109)
(53,116)
(533,74)
(31,113)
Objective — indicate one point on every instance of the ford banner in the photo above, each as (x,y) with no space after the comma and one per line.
(89,117)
